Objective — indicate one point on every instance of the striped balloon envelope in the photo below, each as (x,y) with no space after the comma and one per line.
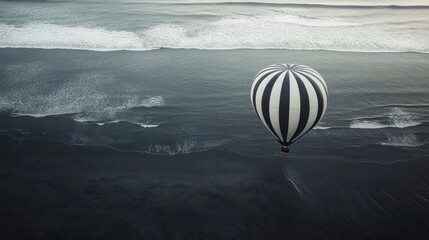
(289,99)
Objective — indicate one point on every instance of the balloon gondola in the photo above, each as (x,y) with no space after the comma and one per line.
(290,100)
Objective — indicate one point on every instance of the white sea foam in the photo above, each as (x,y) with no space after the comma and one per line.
(29,94)
(321,128)
(378,125)
(157,101)
(402,119)
(83,119)
(84,140)
(35,115)
(52,36)
(77,138)
(149,125)
(278,29)
(186,146)
(396,118)
(181,147)
(366,124)
(297,19)
(85,96)
(406,140)
(143,125)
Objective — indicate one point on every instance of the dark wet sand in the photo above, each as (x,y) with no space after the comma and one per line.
(55,191)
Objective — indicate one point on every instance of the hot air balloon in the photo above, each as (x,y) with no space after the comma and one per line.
(290,100)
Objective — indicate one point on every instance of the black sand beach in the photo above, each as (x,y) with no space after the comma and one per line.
(54,191)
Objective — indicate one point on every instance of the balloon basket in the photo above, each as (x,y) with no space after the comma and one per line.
(284,150)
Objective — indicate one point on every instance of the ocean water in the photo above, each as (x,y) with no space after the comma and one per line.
(173,78)
(182,101)
(361,26)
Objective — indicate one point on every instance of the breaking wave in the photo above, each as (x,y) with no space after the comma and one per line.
(228,32)
(53,36)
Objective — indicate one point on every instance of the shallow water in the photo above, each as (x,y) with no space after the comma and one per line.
(199,99)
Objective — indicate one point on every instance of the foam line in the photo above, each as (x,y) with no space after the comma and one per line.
(53,36)
(238,32)
(394,118)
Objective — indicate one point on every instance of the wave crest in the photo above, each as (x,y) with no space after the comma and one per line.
(228,32)
(53,36)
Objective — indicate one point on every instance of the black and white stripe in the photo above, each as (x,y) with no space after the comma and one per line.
(289,99)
